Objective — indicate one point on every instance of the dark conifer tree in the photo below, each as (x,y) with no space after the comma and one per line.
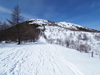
(16,18)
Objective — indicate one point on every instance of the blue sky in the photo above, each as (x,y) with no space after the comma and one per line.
(82,12)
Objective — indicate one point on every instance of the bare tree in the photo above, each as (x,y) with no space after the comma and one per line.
(16,18)
(0,22)
(4,25)
(0,25)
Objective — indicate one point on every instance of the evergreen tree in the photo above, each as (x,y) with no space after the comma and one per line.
(16,18)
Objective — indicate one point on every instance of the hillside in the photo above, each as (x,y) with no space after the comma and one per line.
(27,33)
(70,35)
(62,33)
(41,58)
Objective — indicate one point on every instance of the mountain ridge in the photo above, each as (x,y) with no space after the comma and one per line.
(66,25)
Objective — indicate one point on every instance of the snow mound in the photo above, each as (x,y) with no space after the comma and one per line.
(42,40)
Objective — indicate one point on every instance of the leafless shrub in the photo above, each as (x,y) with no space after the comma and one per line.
(84,48)
(97,37)
(67,42)
(84,37)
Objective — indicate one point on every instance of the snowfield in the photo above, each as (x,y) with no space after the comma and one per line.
(45,59)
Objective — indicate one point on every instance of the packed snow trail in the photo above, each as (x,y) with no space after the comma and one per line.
(36,59)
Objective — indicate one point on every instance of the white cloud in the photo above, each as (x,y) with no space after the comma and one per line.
(8,11)
(4,10)
(26,16)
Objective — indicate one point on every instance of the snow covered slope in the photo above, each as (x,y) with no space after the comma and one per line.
(66,25)
(70,35)
(45,59)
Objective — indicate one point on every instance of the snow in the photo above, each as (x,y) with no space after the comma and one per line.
(45,59)
(59,35)
(38,21)
(41,58)
(68,25)
(42,40)
(62,32)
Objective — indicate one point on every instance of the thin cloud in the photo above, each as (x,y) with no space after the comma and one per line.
(4,10)
(26,16)
(95,4)
(8,11)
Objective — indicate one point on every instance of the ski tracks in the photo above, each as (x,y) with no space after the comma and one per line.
(35,60)
(71,66)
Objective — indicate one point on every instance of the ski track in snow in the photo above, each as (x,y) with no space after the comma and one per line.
(74,68)
(35,60)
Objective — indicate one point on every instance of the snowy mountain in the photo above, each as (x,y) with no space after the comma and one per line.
(65,25)
(62,33)
(70,35)
(41,58)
